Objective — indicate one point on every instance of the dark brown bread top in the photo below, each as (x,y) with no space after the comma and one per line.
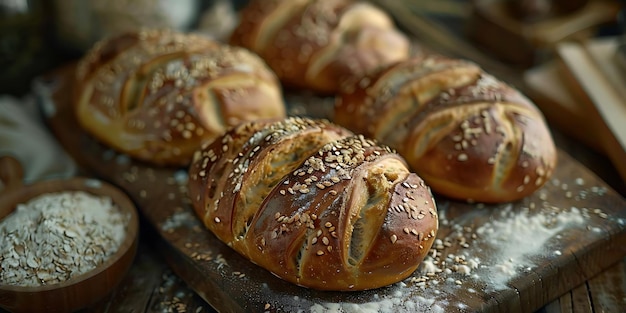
(320,45)
(469,135)
(314,204)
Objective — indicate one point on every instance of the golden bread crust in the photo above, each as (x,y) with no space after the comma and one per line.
(156,95)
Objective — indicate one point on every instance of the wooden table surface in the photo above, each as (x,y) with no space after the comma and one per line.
(150,286)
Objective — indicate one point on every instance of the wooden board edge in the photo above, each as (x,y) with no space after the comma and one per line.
(603,105)
(561,109)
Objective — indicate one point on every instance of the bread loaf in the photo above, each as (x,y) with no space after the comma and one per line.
(314,204)
(467,134)
(317,45)
(156,95)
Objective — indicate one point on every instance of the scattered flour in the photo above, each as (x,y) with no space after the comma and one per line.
(518,237)
(182,218)
(514,240)
(394,302)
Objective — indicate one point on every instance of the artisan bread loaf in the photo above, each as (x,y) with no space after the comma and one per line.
(156,95)
(317,45)
(467,134)
(314,204)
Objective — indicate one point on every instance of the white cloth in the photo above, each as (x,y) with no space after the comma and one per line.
(24,136)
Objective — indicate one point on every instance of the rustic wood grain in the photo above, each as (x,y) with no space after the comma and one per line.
(151,286)
(231,283)
(608,290)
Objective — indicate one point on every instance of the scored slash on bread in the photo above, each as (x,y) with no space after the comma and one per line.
(319,45)
(314,204)
(157,95)
(467,134)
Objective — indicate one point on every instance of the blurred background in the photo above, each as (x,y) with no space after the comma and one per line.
(39,35)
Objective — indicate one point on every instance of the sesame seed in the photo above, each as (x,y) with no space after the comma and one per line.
(540,171)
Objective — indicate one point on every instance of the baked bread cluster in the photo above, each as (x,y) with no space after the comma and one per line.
(469,135)
(319,45)
(320,204)
(157,95)
(314,204)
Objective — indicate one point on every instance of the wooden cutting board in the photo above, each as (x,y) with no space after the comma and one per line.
(512,257)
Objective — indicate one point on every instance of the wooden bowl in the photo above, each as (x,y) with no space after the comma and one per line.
(81,290)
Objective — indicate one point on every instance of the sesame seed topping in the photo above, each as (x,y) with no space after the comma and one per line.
(325,241)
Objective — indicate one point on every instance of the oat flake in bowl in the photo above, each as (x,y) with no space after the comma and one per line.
(56,236)
(73,241)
